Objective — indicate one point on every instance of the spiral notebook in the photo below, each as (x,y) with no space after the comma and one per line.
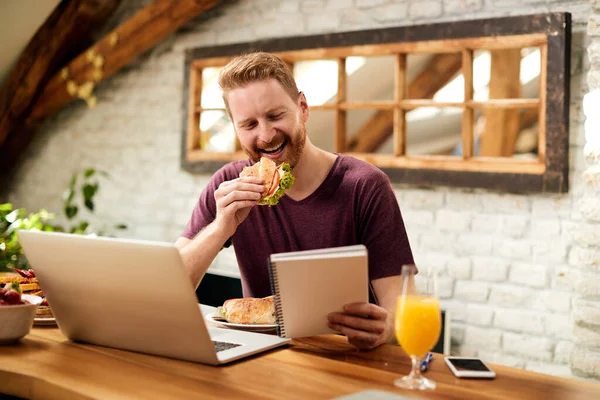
(308,285)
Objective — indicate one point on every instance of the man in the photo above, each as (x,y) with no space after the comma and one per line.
(336,200)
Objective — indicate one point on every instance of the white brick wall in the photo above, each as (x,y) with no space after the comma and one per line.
(464,201)
(585,356)
(531,322)
(472,292)
(485,223)
(452,7)
(535,348)
(511,296)
(586,312)
(480,315)
(562,352)
(515,225)
(489,269)
(528,275)
(496,357)
(459,268)
(553,301)
(483,338)
(503,257)
(425,9)
(453,221)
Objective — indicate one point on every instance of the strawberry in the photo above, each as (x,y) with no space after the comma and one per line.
(25,273)
(12,297)
(22,272)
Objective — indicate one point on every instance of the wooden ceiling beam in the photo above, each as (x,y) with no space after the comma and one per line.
(124,44)
(502,125)
(68,26)
(438,72)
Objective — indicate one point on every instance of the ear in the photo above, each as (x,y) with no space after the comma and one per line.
(303,106)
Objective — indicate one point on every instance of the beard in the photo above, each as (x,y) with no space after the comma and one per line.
(294,147)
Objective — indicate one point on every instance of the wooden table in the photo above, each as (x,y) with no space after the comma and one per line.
(46,365)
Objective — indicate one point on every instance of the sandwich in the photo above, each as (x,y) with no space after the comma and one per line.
(249,310)
(276,180)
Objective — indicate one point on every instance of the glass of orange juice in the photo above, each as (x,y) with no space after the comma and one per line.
(417,325)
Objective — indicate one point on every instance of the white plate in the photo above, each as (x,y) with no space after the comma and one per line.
(44,321)
(218,319)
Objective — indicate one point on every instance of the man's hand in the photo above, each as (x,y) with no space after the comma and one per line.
(365,325)
(234,200)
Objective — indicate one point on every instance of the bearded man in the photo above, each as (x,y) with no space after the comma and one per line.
(336,200)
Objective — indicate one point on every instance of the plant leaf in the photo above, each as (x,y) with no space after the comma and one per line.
(12,217)
(71,211)
(89,205)
(89,172)
(121,226)
(89,190)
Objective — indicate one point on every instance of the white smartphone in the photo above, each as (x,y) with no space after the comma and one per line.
(469,367)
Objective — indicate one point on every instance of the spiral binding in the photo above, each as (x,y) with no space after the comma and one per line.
(277,298)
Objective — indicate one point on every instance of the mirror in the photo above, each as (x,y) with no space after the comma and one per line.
(427,104)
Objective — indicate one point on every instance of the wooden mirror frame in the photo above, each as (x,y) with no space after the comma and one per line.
(551,32)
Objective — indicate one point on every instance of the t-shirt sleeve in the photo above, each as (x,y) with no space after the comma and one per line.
(382,231)
(205,209)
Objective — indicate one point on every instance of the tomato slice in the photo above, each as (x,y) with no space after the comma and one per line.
(275,184)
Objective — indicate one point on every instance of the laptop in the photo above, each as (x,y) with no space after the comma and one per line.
(132,295)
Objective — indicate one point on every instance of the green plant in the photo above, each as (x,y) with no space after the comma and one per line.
(10,222)
(80,192)
(87,185)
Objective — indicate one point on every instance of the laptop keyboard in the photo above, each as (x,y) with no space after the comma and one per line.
(220,346)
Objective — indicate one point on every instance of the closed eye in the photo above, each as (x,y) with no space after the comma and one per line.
(250,125)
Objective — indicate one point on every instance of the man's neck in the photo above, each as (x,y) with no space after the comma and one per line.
(310,171)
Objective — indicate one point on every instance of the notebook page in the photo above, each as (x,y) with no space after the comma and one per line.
(313,285)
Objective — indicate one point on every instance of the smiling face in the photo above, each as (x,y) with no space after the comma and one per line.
(268,122)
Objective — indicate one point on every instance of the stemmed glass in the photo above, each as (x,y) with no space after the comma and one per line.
(417,324)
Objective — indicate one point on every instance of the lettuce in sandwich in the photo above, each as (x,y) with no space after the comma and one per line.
(276,179)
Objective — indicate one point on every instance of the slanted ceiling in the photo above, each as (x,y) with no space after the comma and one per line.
(19,20)
(47,75)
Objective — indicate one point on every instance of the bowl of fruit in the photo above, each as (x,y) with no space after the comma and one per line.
(17,311)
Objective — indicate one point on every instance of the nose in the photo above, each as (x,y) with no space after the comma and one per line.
(267,132)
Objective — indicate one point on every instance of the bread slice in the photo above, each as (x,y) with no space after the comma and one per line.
(252,172)
(250,310)
(264,169)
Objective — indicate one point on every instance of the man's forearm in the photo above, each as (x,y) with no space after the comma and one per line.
(387,291)
(390,326)
(199,253)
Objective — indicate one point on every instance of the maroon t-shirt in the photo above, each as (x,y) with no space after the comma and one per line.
(355,204)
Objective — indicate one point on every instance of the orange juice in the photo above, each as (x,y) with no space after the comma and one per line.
(418,323)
